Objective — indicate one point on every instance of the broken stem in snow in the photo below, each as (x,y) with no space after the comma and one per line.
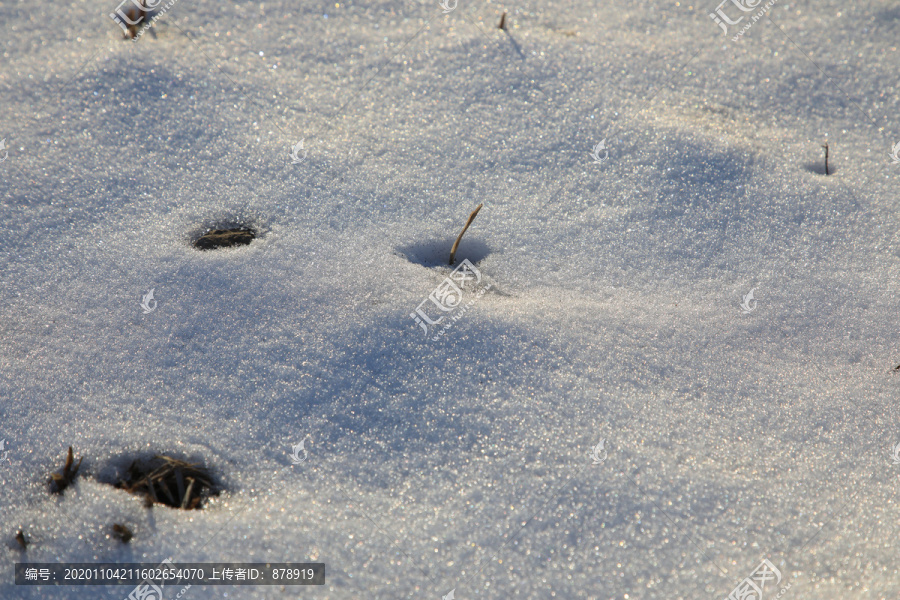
(825,145)
(469,222)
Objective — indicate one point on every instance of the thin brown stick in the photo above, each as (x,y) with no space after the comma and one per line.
(469,222)
(502,24)
(825,145)
(187,495)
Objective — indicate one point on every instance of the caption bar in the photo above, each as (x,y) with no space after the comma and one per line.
(181,574)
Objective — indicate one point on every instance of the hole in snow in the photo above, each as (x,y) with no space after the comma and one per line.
(225,238)
(165,480)
(436,253)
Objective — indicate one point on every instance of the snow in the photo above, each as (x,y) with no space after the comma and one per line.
(614,311)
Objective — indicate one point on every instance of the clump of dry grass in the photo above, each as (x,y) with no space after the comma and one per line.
(225,238)
(59,482)
(169,481)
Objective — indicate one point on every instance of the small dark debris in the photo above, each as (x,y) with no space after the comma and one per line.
(169,481)
(897,368)
(122,532)
(225,238)
(60,482)
(132,16)
(20,537)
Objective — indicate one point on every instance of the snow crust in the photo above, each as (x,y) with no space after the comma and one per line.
(614,311)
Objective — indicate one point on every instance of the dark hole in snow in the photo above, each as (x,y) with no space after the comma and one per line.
(225,238)
(436,253)
(170,481)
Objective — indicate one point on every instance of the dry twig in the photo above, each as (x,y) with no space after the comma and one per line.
(469,222)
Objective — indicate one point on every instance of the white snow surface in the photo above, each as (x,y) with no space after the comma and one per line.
(614,314)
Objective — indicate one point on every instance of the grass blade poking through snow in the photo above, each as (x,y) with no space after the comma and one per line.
(469,222)
(60,482)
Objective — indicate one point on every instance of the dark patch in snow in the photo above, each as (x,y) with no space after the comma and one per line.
(164,480)
(225,238)
(819,167)
(435,253)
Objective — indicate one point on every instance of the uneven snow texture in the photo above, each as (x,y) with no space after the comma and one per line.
(614,312)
